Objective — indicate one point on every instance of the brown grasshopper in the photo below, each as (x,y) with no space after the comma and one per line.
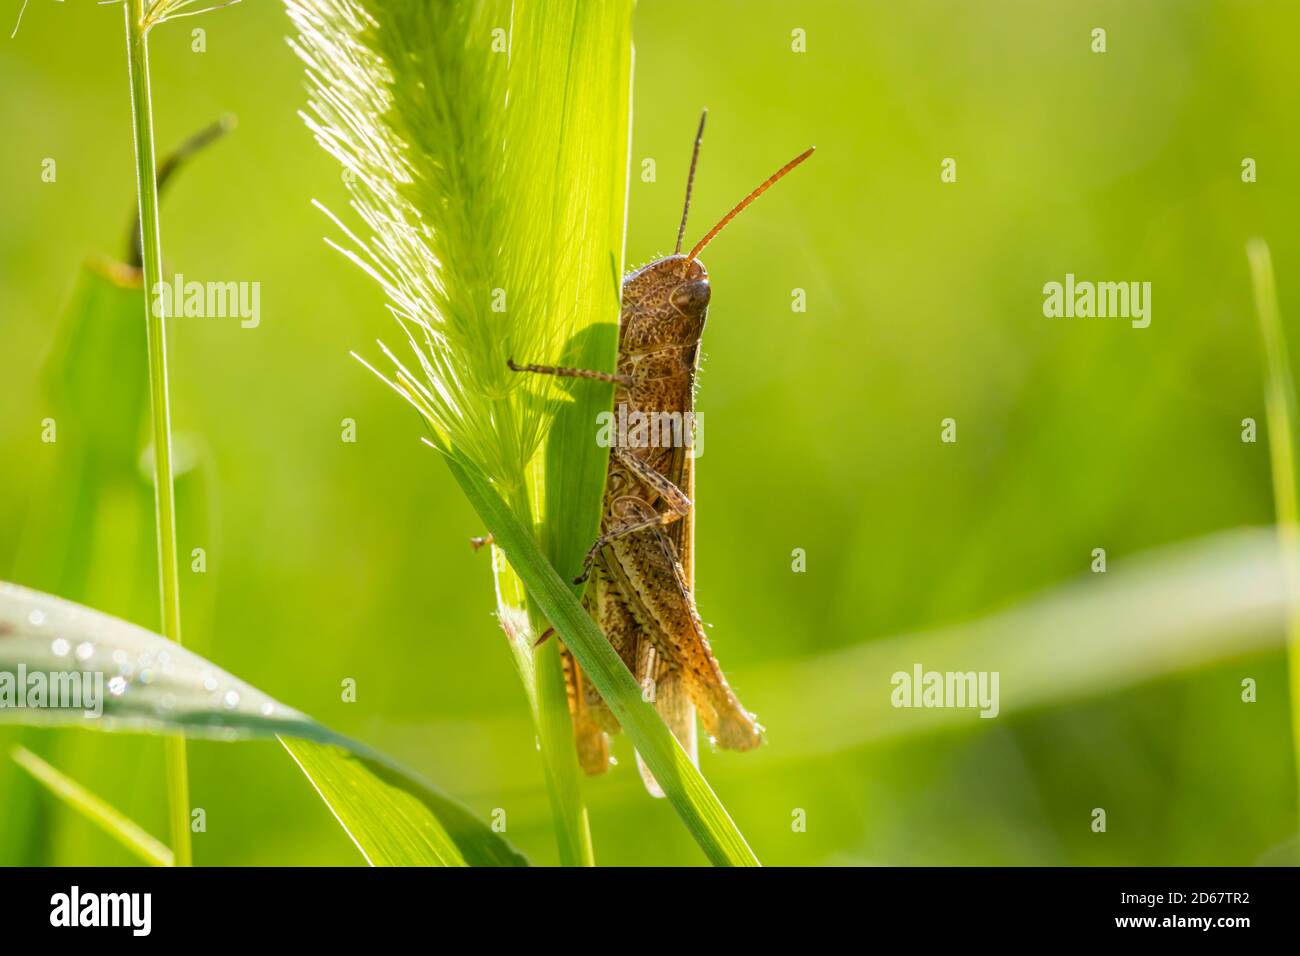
(643,562)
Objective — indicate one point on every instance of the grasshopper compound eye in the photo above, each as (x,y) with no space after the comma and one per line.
(692,296)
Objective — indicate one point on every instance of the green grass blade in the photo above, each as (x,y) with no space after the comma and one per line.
(591,131)
(120,827)
(1170,611)
(1279,406)
(687,791)
(591,136)
(384,822)
(153,685)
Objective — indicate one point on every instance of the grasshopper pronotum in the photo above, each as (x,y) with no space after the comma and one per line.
(642,592)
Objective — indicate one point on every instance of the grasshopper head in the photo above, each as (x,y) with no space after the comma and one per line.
(665,304)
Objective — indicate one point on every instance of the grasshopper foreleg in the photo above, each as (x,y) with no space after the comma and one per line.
(566,372)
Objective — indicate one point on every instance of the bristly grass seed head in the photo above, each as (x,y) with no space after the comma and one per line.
(449,182)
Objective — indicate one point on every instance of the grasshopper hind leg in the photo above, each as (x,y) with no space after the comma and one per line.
(651,575)
(660,682)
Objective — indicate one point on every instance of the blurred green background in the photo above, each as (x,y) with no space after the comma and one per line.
(329,560)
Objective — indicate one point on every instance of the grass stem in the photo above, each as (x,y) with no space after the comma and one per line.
(555,731)
(137,43)
(555,736)
(1279,406)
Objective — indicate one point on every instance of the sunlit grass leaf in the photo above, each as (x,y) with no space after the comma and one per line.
(564,486)
(155,686)
(386,823)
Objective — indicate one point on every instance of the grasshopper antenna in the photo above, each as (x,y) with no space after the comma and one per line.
(766,185)
(690,181)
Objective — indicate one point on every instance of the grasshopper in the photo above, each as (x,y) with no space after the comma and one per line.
(642,565)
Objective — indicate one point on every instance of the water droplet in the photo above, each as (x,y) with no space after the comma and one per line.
(85,651)
(167,701)
(146,676)
(37,618)
(209,683)
(231,700)
(117,686)
(60,647)
(267,709)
